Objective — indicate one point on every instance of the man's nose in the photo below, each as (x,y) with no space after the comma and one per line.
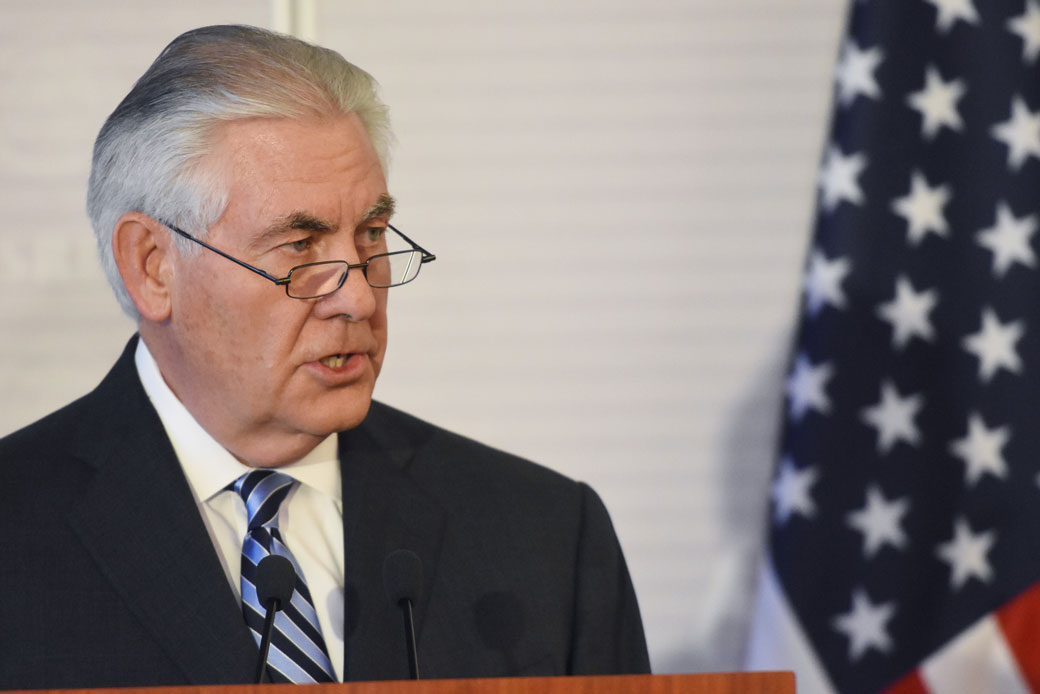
(355,300)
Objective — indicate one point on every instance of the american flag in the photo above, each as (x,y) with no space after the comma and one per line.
(905,509)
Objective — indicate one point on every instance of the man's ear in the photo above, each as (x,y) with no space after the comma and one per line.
(143,251)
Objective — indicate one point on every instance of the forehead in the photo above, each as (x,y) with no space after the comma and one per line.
(274,168)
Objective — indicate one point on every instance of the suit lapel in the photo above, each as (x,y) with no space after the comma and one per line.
(383,510)
(139,520)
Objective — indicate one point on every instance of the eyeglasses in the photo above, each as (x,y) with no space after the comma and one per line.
(315,280)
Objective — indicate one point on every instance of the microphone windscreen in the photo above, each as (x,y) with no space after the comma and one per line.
(275,580)
(402,576)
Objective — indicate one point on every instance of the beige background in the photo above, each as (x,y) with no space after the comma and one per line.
(619,194)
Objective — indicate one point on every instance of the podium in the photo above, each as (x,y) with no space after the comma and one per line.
(713,683)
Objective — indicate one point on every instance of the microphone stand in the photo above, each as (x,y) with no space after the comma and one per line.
(265,640)
(409,635)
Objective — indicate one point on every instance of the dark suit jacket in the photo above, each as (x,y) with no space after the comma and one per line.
(109,577)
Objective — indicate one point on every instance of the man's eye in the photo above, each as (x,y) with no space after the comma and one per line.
(373,234)
(298,246)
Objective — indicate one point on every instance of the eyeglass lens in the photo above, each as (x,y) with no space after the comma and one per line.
(319,279)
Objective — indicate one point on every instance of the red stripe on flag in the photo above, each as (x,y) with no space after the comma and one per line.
(1020,622)
(909,684)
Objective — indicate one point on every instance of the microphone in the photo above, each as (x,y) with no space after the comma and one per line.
(402,578)
(275,583)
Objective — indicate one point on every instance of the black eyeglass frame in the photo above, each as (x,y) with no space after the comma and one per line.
(427,257)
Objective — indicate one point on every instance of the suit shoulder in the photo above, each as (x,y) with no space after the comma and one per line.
(42,471)
(45,435)
(441,454)
(105,407)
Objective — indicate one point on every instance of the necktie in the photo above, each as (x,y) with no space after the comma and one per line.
(298,652)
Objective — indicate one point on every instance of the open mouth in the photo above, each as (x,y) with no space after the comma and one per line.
(335,361)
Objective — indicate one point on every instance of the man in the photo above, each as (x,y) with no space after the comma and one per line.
(243,218)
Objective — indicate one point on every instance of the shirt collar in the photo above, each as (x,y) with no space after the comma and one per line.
(208,466)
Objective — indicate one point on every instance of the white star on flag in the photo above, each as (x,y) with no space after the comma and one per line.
(865,625)
(879,521)
(837,178)
(981,450)
(805,387)
(1009,239)
(937,103)
(949,11)
(893,417)
(790,492)
(1021,133)
(823,282)
(922,208)
(1027,26)
(908,313)
(994,345)
(855,73)
(966,554)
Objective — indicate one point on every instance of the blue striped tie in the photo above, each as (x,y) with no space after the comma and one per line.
(298,652)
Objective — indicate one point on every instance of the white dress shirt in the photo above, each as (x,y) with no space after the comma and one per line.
(310,519)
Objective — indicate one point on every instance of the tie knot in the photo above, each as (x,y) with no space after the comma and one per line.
(263,492)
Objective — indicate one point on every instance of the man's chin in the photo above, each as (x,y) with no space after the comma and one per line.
(331,417)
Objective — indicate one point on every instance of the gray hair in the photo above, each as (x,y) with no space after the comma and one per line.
(149,155)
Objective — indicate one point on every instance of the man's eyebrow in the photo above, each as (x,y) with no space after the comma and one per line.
(291,221)
(384,207)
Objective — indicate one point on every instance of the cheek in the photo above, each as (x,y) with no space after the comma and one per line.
(230,326)
(207,328)
(270,331)
(378,319)
(378,325)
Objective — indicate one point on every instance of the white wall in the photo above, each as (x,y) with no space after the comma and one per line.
(619,194)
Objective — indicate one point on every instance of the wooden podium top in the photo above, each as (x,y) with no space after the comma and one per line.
(713,683)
